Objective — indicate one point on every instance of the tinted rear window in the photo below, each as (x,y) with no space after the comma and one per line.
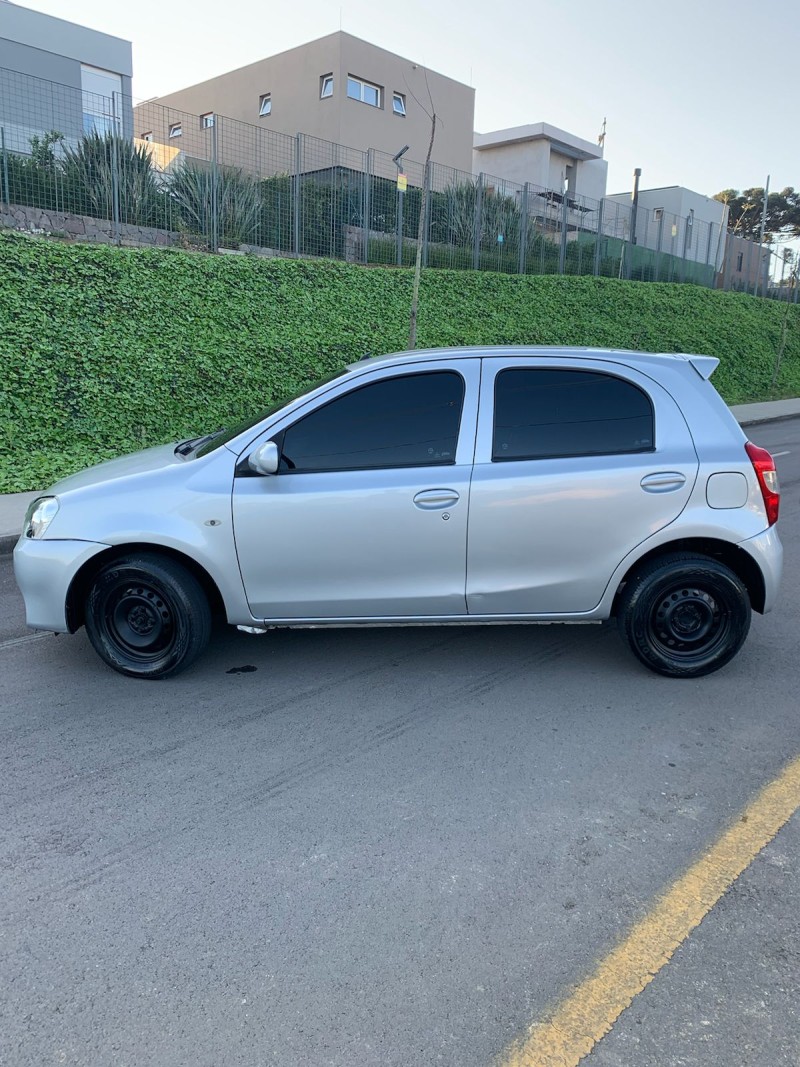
(549,413)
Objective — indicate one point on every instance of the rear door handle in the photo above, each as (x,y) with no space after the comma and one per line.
(436,499)
(663,482)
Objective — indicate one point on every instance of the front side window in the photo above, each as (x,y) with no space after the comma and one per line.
(366,92)
(409,421)
(326,86)
(541,414)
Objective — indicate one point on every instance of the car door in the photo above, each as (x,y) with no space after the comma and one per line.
(367,514)
(576,463)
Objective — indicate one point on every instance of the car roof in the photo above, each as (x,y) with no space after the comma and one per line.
(704,365)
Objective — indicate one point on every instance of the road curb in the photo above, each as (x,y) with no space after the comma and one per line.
(766,419)
(7,542)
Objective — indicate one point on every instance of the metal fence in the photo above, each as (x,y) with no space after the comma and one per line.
(103,169)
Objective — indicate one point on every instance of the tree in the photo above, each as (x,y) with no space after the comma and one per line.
(423,214)
(744,213)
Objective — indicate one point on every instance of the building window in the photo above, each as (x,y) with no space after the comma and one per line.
(102,100)
(658,214)
(207,120)
(326,86)
(176,129)
(739,262)
(147,136)
(366,92)
(399,104)
(265,104)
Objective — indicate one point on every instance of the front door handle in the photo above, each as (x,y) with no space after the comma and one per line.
(663,482)
(436,499)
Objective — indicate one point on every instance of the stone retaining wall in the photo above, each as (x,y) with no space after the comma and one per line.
(83,227)
(101,231)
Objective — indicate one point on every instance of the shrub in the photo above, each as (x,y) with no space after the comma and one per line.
(88,173)
(194,188)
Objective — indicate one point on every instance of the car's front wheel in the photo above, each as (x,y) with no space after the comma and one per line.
(684,615)
(147,616)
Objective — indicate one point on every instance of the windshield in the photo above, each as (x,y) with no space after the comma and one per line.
(221,437)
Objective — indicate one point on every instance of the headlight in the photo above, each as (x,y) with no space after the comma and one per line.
(39,516)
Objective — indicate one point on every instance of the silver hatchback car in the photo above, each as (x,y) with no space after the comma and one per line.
(471,485)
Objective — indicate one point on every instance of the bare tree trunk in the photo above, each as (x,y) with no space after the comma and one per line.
(423,211)
(782,347)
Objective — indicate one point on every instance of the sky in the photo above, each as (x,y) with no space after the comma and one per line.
(699,93)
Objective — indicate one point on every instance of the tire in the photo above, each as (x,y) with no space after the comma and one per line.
(684,615)
(147,616)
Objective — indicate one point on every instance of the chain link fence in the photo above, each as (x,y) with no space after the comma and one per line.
(98,168)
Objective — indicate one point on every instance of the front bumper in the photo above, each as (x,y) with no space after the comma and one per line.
(767,550)
(44,571)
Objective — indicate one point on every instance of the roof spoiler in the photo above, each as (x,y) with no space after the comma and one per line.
(704,365)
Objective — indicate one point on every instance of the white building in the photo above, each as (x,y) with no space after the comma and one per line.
(679,222)
(545,156)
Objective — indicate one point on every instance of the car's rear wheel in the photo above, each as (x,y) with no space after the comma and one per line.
(684,615)
(147,616)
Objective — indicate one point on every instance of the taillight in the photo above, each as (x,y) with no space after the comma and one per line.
(764,466)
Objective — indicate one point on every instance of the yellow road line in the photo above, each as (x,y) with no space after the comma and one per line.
(571,1031)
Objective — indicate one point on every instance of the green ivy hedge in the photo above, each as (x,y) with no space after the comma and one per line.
(105,350)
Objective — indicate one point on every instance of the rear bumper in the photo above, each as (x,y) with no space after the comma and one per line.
(767,550)
(44,571)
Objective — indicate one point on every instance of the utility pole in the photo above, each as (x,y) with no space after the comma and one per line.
(634,209)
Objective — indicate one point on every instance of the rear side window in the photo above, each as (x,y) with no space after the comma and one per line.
(542,414)
(408,421)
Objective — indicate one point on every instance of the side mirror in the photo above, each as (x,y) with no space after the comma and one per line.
(265,459)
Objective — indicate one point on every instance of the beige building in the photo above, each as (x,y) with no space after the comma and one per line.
(337,88)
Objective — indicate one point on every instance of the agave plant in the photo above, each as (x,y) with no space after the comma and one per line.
(90,170)
(456,217)
(197,192)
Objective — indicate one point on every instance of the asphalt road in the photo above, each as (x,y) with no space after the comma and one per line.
(387,847)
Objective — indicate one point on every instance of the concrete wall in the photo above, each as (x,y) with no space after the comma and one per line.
(29,106)
(21,26)
(519,163)
(745,264)
(293,80)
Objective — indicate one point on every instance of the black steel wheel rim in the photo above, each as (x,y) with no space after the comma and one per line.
(139,620)
(688,622)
